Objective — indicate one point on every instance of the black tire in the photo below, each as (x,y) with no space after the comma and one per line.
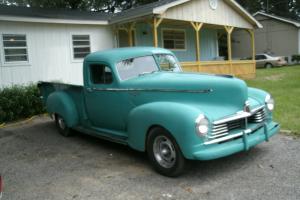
(268,65)
(62,127)
(168,167)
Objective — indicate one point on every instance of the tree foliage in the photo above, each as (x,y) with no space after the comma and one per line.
(94,5)
(285,8)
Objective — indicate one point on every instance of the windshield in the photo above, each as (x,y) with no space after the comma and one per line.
(134,67)
(168,62)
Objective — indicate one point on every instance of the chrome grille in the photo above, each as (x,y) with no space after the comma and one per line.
(223,129)
(258,117)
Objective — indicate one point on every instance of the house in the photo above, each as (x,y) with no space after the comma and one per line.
(43,44)
(279,36)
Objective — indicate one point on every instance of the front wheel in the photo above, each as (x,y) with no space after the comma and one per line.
(164,153)
(62,127)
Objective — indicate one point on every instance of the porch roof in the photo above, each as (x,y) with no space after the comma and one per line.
(240,15)
(160,7)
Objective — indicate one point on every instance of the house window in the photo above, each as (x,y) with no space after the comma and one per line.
(174,39)
(81,46)
(15,48)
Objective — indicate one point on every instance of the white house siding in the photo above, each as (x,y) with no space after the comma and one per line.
(200,11)
(50,52)
(277,37)
(241,44)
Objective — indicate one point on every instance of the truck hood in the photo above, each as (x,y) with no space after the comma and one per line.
(225,94)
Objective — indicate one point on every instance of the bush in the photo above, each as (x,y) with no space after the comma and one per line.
(296,58)
(19,102)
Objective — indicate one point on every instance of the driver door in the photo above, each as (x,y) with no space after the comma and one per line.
(103,104)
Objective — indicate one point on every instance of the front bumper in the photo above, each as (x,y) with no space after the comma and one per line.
(243,143)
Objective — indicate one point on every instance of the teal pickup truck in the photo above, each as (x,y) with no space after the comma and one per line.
(141,98)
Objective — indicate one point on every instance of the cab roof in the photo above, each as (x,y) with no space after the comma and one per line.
(116,55)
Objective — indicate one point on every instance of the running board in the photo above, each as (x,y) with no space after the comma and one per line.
(105,135)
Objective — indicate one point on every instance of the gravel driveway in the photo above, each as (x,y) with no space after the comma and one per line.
(37,163)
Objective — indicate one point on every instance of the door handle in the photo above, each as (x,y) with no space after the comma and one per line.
(89,89)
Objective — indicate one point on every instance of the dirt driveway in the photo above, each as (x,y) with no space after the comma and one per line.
(37,163)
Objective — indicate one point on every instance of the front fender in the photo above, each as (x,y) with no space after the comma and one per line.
(257,94)
(61,103)
(260,96)
(177,118)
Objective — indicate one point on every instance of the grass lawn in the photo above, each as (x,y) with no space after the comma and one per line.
(284,85)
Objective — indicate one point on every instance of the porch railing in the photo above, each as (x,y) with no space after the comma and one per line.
(245,69)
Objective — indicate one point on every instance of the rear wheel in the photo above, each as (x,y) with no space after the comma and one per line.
(164,153)
(61,126)
(268,66)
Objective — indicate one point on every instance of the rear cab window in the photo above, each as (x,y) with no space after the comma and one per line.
(100,74)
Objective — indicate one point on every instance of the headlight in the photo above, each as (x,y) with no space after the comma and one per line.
(270,102)
(202,125)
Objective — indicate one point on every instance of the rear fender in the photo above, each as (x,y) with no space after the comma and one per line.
(62,104)
(178,119)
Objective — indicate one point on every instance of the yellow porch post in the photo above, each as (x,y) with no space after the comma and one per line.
(197,26)
(229,30)
(252,35)
(251,32)
(129,31)
(156,23)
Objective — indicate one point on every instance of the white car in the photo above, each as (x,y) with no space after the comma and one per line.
(268,61)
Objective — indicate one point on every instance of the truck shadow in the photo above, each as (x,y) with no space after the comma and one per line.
(202,169)
(127,156)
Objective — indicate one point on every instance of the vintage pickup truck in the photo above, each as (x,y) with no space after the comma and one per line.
(140,97)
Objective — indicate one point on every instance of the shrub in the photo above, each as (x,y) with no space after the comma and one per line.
(296,58)
(19,102)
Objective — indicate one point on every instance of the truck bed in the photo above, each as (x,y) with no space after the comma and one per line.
(74,91)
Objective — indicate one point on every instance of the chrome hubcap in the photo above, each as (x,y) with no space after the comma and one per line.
(61,123)
(164,151)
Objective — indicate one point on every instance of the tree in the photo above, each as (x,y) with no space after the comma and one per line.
(284,8)
(252,5)
(95,5)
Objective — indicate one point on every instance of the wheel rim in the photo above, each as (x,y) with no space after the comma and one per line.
(164,151)
(61,123)
(269,66)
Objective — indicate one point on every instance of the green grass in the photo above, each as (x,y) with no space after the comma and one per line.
(284,85)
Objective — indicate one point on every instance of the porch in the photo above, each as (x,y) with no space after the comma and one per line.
(194,39)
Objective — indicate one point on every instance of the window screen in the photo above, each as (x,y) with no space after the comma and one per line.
(81,46)
(174,39)
(15,48)
(100,74)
